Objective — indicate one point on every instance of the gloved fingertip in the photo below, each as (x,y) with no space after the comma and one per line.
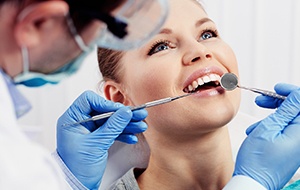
(256,100)
(128,138)
(125,111)
(284,88)
(279,85)
(143,126)
(118,105)
(133,140)
(140,114)
(249,130)
(267,102)
(259,99)
(135,127)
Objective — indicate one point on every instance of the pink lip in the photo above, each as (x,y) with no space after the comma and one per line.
(202,72)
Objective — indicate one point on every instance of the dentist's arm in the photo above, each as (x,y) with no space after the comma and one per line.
(84,148)
(270,153)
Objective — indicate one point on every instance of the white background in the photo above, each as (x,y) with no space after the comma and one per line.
(265,35)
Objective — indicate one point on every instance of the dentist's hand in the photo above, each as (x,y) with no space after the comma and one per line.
(269,102)
(270,153)
(84,148)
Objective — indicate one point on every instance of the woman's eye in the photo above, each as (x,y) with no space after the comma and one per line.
(160,46)
(208,34)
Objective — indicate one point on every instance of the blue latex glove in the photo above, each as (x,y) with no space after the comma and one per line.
(84,148)
(270,153)
(269,102)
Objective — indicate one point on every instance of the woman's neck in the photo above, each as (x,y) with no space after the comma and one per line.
(203,163)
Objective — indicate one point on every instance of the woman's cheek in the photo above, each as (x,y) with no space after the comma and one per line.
(225,55)
(146,88)
(155,85)
(230,57)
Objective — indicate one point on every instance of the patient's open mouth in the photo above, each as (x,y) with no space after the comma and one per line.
(203,83)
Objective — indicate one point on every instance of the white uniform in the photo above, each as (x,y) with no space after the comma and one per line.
(23,164)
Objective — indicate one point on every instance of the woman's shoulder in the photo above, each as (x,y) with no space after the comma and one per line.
(128,180)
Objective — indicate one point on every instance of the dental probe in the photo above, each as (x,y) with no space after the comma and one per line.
(146,105)
(229,81)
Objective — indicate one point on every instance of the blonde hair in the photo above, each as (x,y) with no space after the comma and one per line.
(108,62)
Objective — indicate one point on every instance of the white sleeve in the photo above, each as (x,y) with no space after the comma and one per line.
(239,182)
(74,183)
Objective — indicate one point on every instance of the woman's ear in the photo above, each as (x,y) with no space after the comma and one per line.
(36,20)
(114,92)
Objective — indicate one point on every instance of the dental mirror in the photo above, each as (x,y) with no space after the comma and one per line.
(229,81)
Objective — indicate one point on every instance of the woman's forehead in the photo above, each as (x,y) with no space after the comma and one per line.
(184,9)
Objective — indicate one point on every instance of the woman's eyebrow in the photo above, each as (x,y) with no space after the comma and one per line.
(202,21)
(198,23)
(165,31)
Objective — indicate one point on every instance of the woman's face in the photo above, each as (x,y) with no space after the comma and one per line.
(187,49)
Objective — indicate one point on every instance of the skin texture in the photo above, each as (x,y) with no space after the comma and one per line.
(188,138)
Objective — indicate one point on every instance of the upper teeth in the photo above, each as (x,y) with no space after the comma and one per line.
(202,80)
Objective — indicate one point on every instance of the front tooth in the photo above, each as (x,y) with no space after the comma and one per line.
(190,87)
(200,81)
(195,84)
(218,77)
(213,77)
(206,79)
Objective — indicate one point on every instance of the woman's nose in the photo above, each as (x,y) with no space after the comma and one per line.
(196,53)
